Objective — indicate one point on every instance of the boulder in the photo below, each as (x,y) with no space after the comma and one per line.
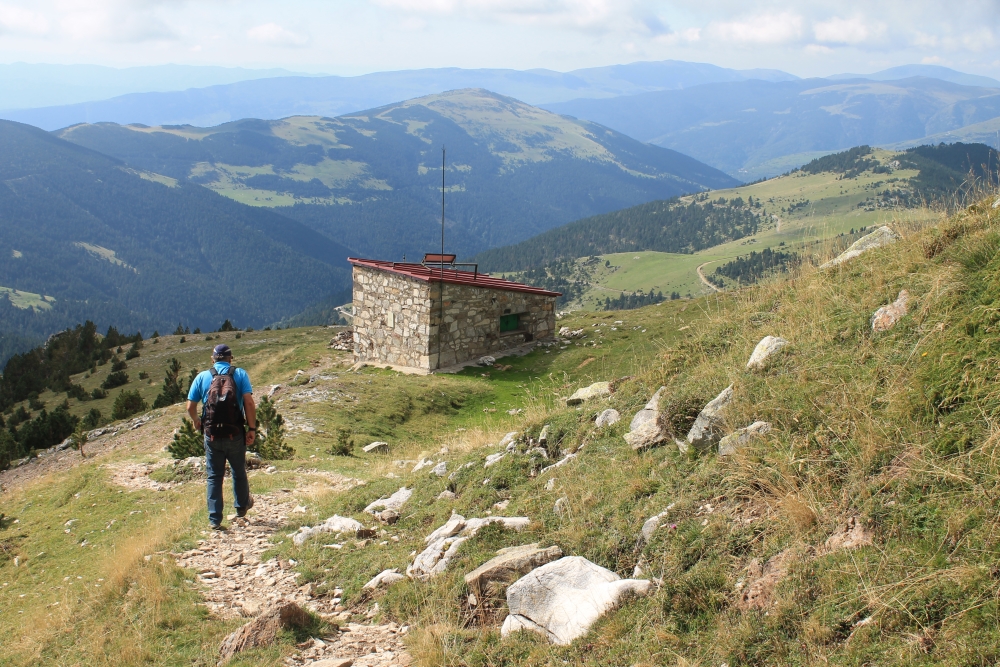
(384,578)
(734,441)
(486,361)
(649,413)
(882,236)
(446,495)
(706,429)
(508,440)
(596,390)
(376,448)
(767,346)
(441,469)
(543,437)
(886,317)
(494,458)
(393,502)
(423,463)
(650,526)
(509,564)
(333,662)
(388,516)
(335,524)
(254,461)
(645,430)
(607,418)
(263,630)
(443,543)
(562,599)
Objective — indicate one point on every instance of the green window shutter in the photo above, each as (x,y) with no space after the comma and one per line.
(509,322)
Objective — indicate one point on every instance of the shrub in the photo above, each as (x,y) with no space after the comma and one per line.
(183,340)
(35,403)
(143,375)
(77,392)
(118,365)
(128,403)
(9,449)
(187,442)
(270,441)
(98,393)
(171,392)
(344,445)
(132,353)
(115,379)
(93,419)
(227,326)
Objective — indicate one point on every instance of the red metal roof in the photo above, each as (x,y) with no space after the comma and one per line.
(434,274)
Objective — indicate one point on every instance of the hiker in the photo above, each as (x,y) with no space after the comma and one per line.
(227,408)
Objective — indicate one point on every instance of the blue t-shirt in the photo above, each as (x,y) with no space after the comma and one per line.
(199,388)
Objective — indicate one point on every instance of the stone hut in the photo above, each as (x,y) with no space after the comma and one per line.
(399,308)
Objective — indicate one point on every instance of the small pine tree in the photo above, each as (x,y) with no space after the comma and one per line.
(179,330)
(171,392)
(79,439)
(128,403)
(9,449)
(344,445)
(92,419)
(187,442)
(227,326)
(270,441)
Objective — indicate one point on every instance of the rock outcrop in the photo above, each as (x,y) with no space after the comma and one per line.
(882,236)
(376,448)
(443,543)
(645,430)
(263,630)
(335,524)
(596,390)
(509,564)
(735,441)
(563,599)
(384,578)
(706,429)
(394,502)
(886,317)
(766,348)
(607,418)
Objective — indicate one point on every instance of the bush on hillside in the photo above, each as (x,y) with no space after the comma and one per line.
(128,403)
(270,441)
(344,446)
(115,380)
(118,365)
(171,392)
(93,419)
(98,393)
(187,442)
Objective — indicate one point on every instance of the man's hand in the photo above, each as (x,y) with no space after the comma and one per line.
(197,424)
(250,437)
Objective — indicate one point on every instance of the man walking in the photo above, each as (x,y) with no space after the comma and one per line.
(227,409)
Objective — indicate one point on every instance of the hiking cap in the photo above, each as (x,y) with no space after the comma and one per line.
(222,351)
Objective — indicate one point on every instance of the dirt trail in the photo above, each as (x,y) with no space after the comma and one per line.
(235,582)
(704,280)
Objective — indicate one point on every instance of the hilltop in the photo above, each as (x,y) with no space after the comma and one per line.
(852,530)
(371,180)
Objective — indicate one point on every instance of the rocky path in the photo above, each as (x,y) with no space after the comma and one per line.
(704,280)
(237,583)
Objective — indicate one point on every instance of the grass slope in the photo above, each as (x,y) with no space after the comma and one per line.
(893,432)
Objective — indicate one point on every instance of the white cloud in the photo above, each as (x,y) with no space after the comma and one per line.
(761,29)
(847,31)
(590,15)
(21,21)
(275,35)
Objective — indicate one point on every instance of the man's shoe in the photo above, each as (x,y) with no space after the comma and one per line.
(242,512)
(217,526)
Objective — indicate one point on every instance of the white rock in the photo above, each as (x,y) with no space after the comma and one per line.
(441,469)
(705,431)
(494,458)
(653,523)
(486,361)
(510,562)
(446,495)
(607,418)
(738,440)
(443,543)
(648,413)
(596,390)
(424,463)
(507,440)
(394,502)
(551,484)
(767,346)
(560,506)
(384,578)
(335,524)
(649,434)
(882,236)
(886,317)
(376,448)
(563,599)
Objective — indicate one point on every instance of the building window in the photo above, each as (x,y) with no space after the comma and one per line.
(509,322)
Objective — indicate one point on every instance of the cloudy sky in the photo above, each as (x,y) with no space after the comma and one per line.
(805,37)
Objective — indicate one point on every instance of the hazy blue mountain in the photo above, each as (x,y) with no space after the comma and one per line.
(930,71)
(371,180)
(739,126)
(27,85)
(110,243)
(274,98)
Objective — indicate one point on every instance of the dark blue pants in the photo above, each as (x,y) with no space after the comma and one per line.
(217,452)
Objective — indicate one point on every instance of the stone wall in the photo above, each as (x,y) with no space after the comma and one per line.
(396,320)
(391,318)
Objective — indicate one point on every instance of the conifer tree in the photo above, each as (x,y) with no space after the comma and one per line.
(187,442)
(270,442)
(171,392)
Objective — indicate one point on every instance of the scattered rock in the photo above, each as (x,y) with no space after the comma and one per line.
(649,413)
(441,469)
(443,543)
(562,599)
(234,560)
(509,564)
(653,523)
(343,341)
(384,578)
(274,388)
(882,236)
(551,484)
(734,441)
(560,506)
(424,463)
(645,430)
(486,361)
(263,630)
(596,390)
(767,346)
(508,440)
(446,495)
(705,431)
(886,317)
(376,448)
(561,462)
(335,524)
(333,662)
(566,332)
(851,535)
(494,458)
(393,502)
(543,437)
(389,516)
(607,418)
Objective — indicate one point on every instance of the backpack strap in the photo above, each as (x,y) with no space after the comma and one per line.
(213,372)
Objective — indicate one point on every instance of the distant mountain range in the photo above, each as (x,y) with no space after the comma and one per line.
(274,98)
(372,179)
(107,242)
(751,129)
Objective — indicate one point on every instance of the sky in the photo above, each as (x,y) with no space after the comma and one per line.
(348,37)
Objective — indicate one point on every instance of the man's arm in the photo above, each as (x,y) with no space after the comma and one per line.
(250,409)
(192,408)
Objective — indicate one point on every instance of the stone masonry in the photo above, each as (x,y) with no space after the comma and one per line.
(397,318)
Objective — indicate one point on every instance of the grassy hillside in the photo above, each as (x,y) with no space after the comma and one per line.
(885,438)
(372,179)
(108,243)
